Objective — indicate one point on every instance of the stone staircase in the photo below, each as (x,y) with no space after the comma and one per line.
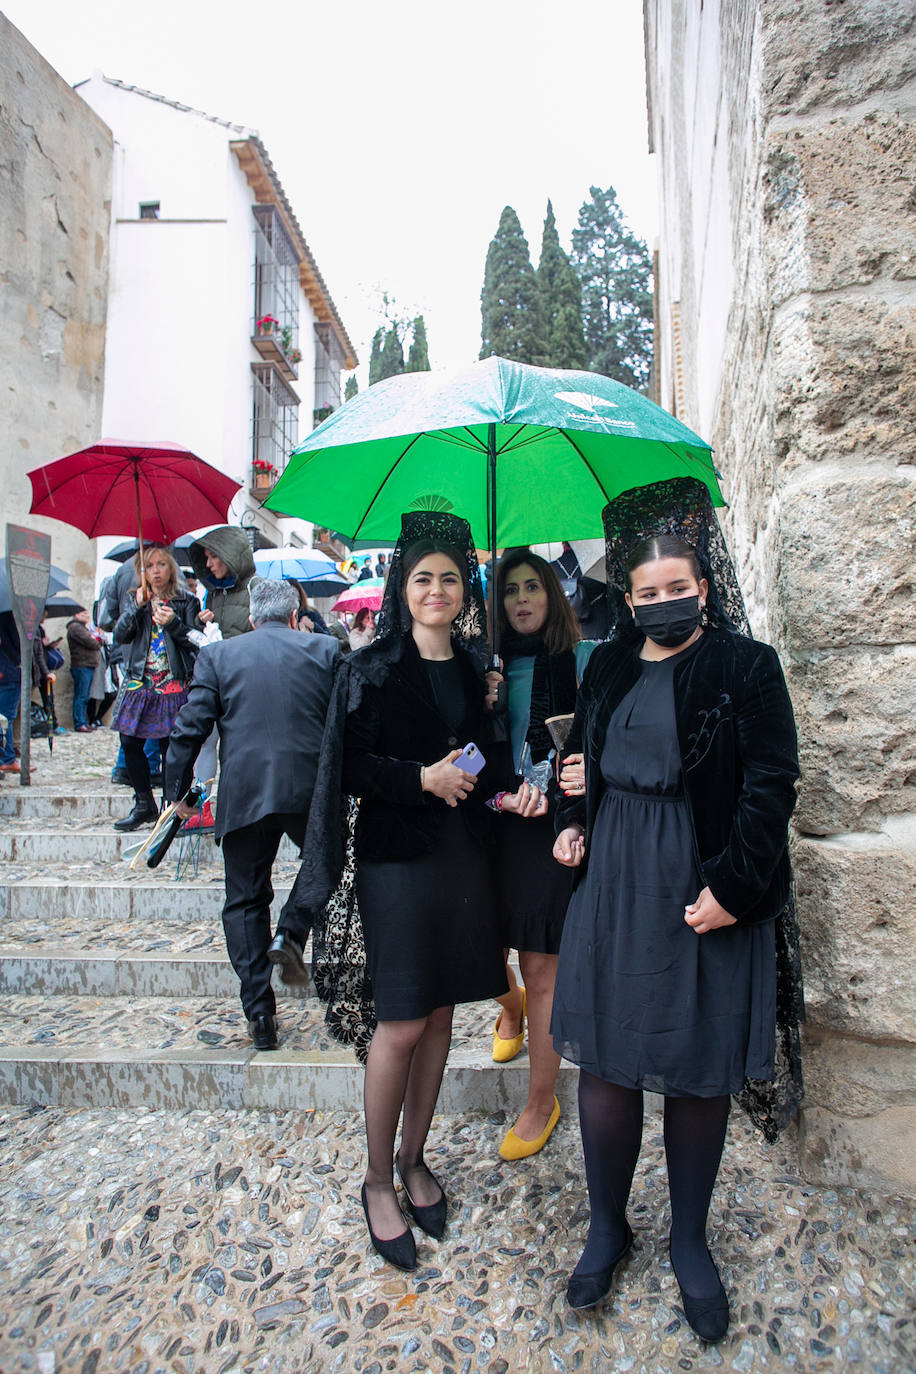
(115,989)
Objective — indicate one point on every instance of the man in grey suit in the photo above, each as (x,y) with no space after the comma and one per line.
(267,693)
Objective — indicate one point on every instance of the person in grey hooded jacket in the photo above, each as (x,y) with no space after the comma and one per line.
(223,561)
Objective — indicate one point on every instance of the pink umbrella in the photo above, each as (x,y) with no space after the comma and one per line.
(367,593)
(156,491)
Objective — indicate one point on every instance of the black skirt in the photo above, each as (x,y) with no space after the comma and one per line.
(430,927)
(534,890)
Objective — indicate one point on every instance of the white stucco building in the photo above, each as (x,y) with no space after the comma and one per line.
(204,244)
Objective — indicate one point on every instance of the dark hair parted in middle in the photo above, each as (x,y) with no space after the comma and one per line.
(662,546)
(561,628)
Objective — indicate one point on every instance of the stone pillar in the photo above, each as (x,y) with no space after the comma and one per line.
(794,159)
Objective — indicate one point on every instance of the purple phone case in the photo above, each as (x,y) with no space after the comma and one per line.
(472,764)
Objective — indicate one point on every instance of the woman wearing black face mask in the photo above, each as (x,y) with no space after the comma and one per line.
(668,973)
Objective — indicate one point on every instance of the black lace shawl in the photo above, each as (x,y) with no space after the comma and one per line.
(325,885)
(682,506)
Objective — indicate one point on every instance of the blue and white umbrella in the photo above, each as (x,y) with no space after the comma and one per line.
(315,571)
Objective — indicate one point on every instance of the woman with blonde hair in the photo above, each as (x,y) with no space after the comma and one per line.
(157,664)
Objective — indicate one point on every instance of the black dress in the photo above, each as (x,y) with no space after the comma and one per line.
(429,922)
(641,999)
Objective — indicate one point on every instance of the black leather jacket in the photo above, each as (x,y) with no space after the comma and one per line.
(134,630)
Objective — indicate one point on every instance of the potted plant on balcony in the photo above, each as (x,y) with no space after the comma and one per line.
(322,413)
(295,356)
(267,324)
(265,474)
(286,338)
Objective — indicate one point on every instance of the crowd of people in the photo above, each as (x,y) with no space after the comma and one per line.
(616,812)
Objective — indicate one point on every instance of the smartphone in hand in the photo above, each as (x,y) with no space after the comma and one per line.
(470,759)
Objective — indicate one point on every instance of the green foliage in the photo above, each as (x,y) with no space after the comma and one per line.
(375,357)
(510,307)
(614,271)
(392,360)
(561,301)
(351,387)
(418,357)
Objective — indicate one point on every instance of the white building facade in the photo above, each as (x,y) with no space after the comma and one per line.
(222,335)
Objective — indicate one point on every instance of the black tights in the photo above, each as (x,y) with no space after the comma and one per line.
(135,762)
(610,1119)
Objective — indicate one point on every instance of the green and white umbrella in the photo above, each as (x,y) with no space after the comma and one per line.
(526,454)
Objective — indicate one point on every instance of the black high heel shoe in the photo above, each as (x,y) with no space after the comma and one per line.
(430,1219)
(709,1317)
(401,1251)
(585,1290)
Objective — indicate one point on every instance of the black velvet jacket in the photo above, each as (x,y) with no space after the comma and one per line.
(739,756)
(395,730)
(134,630)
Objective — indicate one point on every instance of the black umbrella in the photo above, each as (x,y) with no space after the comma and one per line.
(60,604)
(128,548)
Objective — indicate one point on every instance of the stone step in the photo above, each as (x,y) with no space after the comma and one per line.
(31,803)
(159,1053)
(106,972)
(105,846)
(130,902)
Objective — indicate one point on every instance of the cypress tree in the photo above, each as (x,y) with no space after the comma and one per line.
(418,356)
(510,308)
(392,362)
(561,301)
(614,271)
(351,387)
(375,357)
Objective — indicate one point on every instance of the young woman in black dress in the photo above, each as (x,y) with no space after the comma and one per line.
(544,659)
(403,709)
(667,974)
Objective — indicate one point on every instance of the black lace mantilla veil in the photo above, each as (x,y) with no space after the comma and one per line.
(325,883)
(682,507)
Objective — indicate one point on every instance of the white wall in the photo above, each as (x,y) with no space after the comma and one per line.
(179,355)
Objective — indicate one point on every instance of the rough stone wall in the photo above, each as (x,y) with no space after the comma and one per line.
(55,180)
(813,420)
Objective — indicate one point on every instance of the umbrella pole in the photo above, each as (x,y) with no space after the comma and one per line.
(140,530)
(491,532)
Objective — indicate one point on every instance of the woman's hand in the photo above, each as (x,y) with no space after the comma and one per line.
(527,801)
(569,847)
(444,780)
(572,778)
(142,597)
(163,615)
(494,679)
(205,617)
(706,914)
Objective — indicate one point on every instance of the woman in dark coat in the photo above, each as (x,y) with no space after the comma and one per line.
(667,976)
(403,708)
(157,664)
(544,658)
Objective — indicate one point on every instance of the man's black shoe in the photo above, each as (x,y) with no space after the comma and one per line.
(263,1031)
(286,953)
(121,777)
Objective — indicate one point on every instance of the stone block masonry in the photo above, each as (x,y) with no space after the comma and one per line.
(788,134)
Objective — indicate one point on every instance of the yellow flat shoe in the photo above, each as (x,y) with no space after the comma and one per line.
(504,1050)
(513,1147)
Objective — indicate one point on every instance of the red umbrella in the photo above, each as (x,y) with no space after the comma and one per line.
(156,491)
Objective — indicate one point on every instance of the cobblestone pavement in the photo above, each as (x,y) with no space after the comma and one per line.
(191,1241)
(231,1241)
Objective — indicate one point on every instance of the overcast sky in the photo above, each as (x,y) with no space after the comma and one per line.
(399,129)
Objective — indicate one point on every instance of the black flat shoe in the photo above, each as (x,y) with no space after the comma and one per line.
(263,1031)
(285,953)
(401,1251)
(430,1219)
(708,1316)
(585,1290)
